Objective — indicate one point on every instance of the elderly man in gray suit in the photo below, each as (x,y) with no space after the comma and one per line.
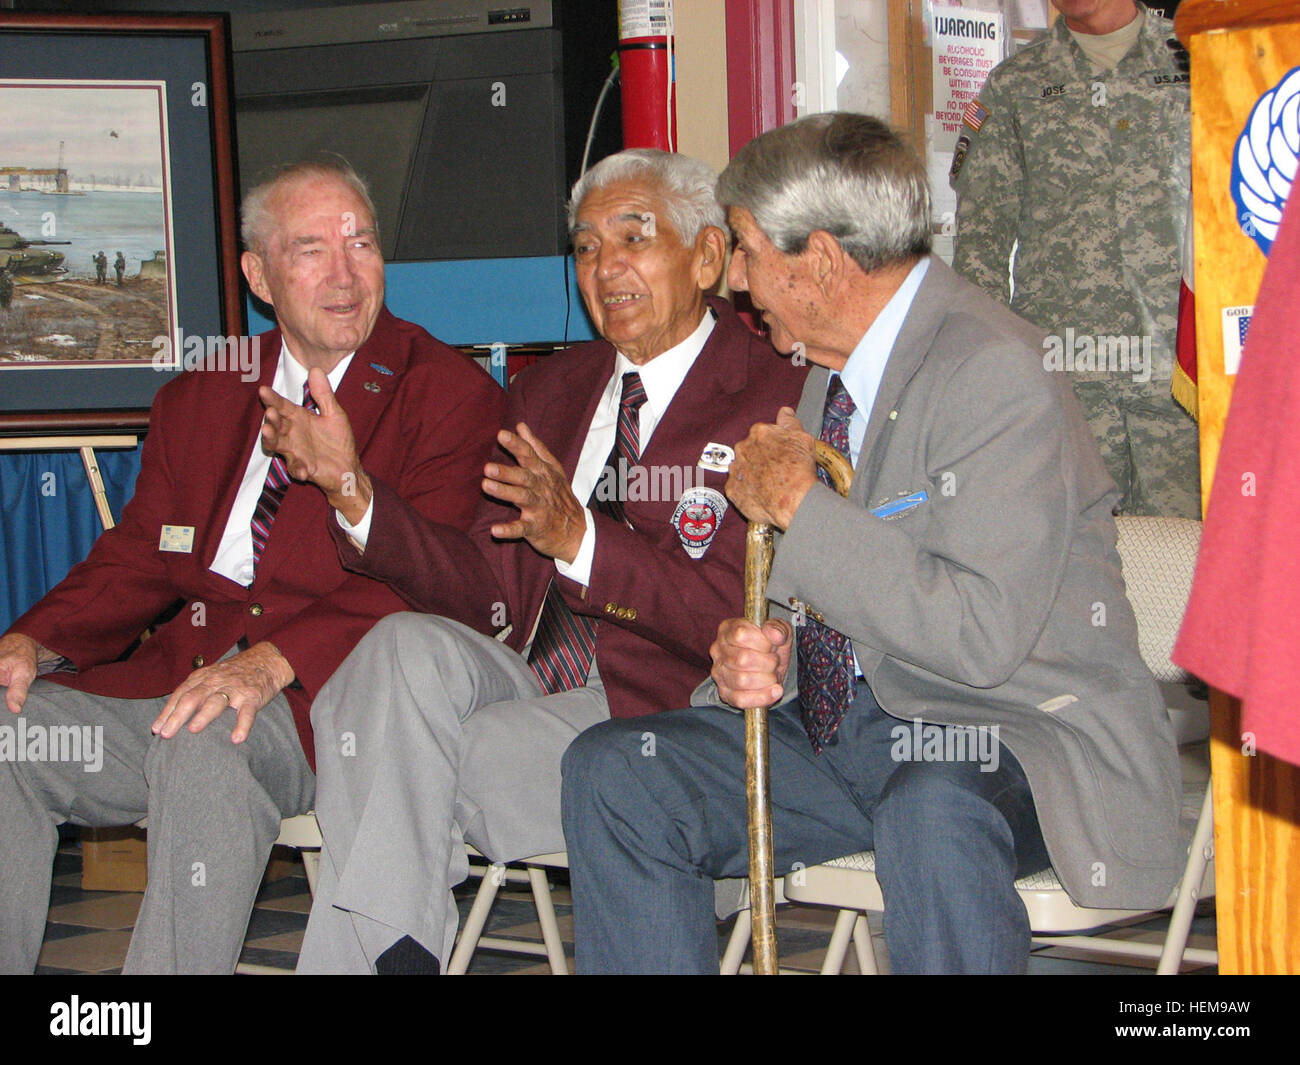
(971,702)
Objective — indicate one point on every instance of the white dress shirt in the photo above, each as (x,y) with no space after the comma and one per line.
(865,368)
(660,377)
(234,557)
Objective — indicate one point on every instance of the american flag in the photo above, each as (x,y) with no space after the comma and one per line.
(974,115)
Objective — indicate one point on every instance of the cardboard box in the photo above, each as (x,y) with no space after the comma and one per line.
(113,859)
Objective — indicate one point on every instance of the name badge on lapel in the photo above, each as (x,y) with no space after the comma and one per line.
(178,539)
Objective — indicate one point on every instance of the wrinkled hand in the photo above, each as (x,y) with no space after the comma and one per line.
(318,448)
(247,682)
(749,663)
(19,658)
(550,516)
(773,470)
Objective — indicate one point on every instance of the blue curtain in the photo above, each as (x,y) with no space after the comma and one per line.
(48,520)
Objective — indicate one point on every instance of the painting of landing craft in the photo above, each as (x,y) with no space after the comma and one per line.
(85,234)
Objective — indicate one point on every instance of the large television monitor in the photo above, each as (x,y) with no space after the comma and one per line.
(466,116)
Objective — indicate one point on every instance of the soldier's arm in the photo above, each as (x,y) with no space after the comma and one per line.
(990,182)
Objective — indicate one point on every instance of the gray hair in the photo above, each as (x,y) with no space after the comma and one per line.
(847,174)
(686,184)
(257,219)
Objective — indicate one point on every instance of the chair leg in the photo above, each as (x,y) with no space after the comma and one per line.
(833,964)
(478,915)
(547,922)
(311,866)
(738,942)
(863,947)
(1180,921)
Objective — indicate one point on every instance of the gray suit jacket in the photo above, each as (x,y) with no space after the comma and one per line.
(998,600)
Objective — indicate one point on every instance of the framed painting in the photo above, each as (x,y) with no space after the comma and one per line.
(118,247)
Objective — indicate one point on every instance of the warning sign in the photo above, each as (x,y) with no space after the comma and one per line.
(965,46)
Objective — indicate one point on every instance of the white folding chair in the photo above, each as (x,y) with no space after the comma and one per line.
(303,834)
(493,876)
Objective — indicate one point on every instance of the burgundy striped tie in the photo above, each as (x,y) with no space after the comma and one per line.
(277,483)
(565,642)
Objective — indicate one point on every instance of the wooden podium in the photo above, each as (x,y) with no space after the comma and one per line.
(1240,50)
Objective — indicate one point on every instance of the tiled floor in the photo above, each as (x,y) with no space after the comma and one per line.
(88,931)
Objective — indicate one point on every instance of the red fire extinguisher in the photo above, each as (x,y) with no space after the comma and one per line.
(646,70)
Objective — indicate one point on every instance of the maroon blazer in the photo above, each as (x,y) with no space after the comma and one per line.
(659,607)
(424,417)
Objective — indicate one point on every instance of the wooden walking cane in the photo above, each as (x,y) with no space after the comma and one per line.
(758,565)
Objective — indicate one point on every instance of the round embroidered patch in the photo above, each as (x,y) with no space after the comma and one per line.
(697,518)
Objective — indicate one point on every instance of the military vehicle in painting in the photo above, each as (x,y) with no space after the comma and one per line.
(27,258)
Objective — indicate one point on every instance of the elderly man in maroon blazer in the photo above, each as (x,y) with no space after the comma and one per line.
(610,552)
(266,610)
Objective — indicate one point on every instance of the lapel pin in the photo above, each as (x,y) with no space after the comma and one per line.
(381,368)
(371,386)
(893,415)
(716,457)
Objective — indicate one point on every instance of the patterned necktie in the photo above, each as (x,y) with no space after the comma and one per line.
(826,672)
(565,642)
(277,483)
(627,447)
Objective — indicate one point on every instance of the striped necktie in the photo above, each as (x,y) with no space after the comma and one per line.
(826,671)
(277,483)
(565,643)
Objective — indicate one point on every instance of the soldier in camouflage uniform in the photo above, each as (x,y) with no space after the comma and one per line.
(1088,169)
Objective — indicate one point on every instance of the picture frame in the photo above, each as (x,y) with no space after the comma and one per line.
(86,343)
